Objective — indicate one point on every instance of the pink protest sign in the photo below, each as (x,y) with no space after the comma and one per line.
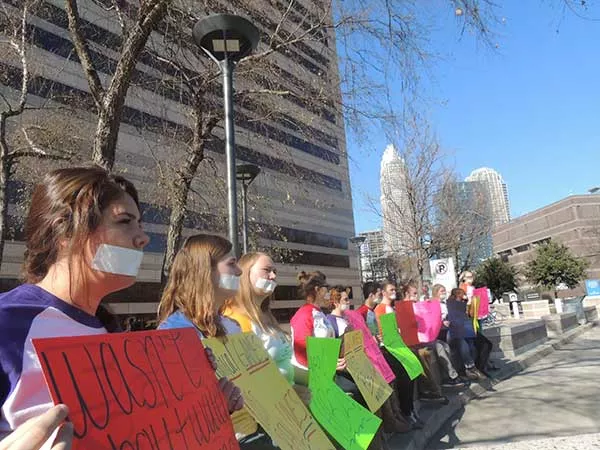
(371,348)
(429,320)
(484,302)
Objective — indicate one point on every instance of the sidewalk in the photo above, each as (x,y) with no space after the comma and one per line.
(436,416)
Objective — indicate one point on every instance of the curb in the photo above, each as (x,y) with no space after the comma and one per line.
(438,419)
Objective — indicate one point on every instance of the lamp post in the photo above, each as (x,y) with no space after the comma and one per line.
(246,173)
(358,241)
(226,38)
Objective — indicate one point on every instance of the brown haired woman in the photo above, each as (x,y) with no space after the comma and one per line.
(310,320)
(84,240)
(204,274)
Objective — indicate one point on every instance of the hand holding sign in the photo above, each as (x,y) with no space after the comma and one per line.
(35,432)
(137,390)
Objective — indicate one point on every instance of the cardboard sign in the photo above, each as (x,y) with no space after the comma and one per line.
(243,422)
(429,320)
(268,396)
(351,425)
(371,384)
(395,345)
(144,390)
(407,322)
(484,302)
(371,347)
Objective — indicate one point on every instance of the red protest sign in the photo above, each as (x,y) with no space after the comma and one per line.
(407,322)
(149,390)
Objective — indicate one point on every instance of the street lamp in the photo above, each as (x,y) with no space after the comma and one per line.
(246,173)
(594,190)
(358,241)
(226,38)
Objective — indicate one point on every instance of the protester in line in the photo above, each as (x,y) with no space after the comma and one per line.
(204,274)
(430,354)
(483,346)
(405,387)
(84,240)
(339,303)
(309,321)
(251,307)
(440,348)
(391,412)
(461,334)
(439,293)
(372,295)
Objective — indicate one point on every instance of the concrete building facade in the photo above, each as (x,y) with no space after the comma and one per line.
(306,209)
(573,221)
(372,254)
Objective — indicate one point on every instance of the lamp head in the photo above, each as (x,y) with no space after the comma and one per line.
(226,36)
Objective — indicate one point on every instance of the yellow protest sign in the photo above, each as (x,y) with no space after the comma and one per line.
(268,396)
(371,384)
(351,425)
(244,423)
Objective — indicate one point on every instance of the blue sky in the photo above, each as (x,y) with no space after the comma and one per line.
(529,109)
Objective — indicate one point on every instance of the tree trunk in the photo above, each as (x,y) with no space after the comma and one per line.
(110,103)
(176,219)
(182,183)
(107,134)
(5,167)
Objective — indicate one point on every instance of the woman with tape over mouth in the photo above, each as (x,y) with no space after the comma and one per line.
(84,240)
(251,308)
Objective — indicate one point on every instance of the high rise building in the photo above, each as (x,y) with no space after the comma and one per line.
(394,201)
(372,255)
(478,246)
(301,148)
(498,192)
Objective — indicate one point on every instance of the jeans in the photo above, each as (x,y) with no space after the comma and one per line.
(443,352)
(430,382)
(466,349)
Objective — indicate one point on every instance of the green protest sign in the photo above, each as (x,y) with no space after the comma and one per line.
(351,425)
(395,345)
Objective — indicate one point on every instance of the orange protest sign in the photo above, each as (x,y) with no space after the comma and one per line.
(145,390)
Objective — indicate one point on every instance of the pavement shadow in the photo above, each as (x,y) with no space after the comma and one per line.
(447,438)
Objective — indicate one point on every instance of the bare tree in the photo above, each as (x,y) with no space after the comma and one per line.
(374,41)
(22,138)
(413,179)
(463,222)
(137,23)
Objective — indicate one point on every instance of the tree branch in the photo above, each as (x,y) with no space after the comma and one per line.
(81,48)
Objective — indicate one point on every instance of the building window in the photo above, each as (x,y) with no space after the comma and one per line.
(522,248)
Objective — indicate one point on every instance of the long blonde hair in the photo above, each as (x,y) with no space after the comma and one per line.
(260,314)
(190,288)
